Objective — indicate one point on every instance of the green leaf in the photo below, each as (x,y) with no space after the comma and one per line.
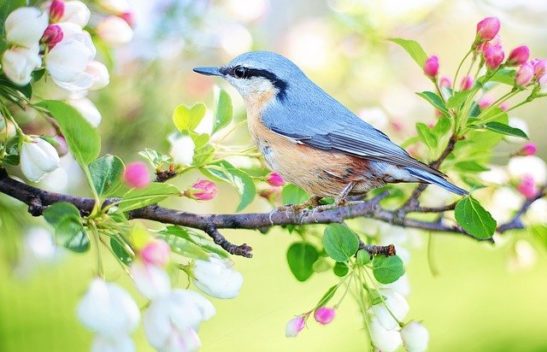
(106,173)
(140,197)
(327,296)
(387,269)
(471,166)
(187,119)
(434,100)
(120,250)
(413,48)
(505,76)
(363,257)
(69,232)
(474,219)
(502,128)
(56,213)
(292,194)
(171,233)
(224,111)
(426,136)
(301,256)
(340,242)
(340,269)
(457,100)
(83,140)
(244,184)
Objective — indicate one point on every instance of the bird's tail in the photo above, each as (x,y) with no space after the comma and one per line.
(429,177)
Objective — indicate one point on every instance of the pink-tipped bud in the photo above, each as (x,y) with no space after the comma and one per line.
(519,55)
(324,315)
(136,175)
(528,149)
(466,83)
(493,56)
(488,28)
(540,67)
(295,325)
(275,179)
(445,82)
(524,75)
(485,102)
(155,252)
(504,106)
(128,17)
(52,35)
(59,143)
(202,190)
(527,187)
(431,66)
(56,10)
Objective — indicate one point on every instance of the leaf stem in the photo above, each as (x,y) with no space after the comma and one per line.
(459,68)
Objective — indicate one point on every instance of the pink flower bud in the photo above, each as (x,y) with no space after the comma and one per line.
(56,10)
(431,66)
(60,145)
(466,83)
(493,56)
(445,82)
(156,252)
(488,28)
(528,149)
(275,179)
(519,55)
(504,106)
(52,35)
(136,175)
(527,186)
(295,325)
(524,75)
(202,190)
(324,315)
(128,17)
(485,102)
(540,67)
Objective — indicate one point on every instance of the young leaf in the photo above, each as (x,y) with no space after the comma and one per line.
(340,269)
(413,48)
(301,256)
(327,296)
(244,184)
(140,197)
(387,269)
(120,251)
(58,212)
(434,100)
(205,244)
(340,242)
(474,219)
(471,166)
(106,173)
(502,128)
(187,119)
(224,111)
(426,136)
(505,76)
(69,232)
(83,140)
(292,194)
(457,99)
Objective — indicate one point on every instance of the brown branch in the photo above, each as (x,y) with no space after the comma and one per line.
(516,221)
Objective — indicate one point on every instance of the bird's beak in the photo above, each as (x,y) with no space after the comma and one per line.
(208,71)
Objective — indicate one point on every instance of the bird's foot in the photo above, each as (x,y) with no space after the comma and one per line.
(311,203)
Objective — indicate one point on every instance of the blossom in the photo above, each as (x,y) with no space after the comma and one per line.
(488,28)
(19,62)
(324,315)
(295,325)
(114,31)
(445,82)
(528,149)
(202,190)
(217,278)
(524,75)
(415,337)
(107,309)
(99,74)
(527,187)
(383,339)
(115,6)
(52,35)
(397,307)
(431,66)
(466,83)
(136,175)
(152,281)
(87,109)
(275,179)
(485,102)
(518,55)
(75,12)
(182,150)
(25,26)
(540,67)
(155,252)
(519,166)
(120,343)
(493,56)
(38,157)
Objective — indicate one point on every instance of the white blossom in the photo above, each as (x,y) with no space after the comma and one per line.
(76,12)
(87,109)
(401,286)
(99,72)
(116,6)
(182,150)
(415,337)
(217,278)
(115,31)
(532,165)
(19,62)
(393,306)
(25,26)
(38,157)
(383,339)
(152,281)
(120,343)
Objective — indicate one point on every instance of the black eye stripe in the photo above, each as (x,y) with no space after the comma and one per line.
(249,72)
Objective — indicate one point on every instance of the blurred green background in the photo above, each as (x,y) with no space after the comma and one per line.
(479,301)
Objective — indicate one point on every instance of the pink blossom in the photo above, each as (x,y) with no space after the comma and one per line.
(156,252)
(519,55)
(488,28)
(128,17)
(540,67)
(324,315)
(504,106)
(56,10)
(136,175)
(528,149)
(445,82)
(275,179)
(203,190)
(527,186)
(431,66)
(295,325)
(524,75)
(485,101)
(466,83)
(493,56)
(52,35)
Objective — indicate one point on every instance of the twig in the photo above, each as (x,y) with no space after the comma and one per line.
(516,221)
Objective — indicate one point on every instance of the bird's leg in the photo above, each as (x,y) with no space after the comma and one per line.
(310,203)
(343,196)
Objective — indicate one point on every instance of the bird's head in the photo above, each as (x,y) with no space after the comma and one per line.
(257,73)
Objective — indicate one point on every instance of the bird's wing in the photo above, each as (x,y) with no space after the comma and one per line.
(331,126)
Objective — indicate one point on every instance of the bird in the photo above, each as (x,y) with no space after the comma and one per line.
(311,139)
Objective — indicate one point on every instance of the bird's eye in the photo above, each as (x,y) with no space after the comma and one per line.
(240,72)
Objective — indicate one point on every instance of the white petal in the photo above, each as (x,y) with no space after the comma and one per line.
(397,305)
(76,12)
(115,31)
(532,165)
(182,150)
(157,322)
(100,75)
(217,278)
(383,339)
(116,6)
(152,281)
(415,337)
(25,26)
(401,286)
(186,340)
(185,313)
(205,306)
(18,64)
(88,110)
(121,343)
(38,158)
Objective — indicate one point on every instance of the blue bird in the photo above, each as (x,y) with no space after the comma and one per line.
(310,138)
